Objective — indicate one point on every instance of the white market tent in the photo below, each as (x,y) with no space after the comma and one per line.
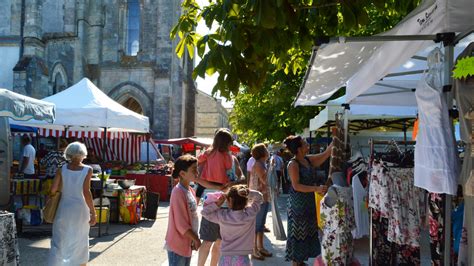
(362,63)
(360,112)
(84,107)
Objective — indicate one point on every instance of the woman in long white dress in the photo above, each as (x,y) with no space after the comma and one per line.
(75,213)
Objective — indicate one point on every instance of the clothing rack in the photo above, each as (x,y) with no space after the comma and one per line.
(372,144)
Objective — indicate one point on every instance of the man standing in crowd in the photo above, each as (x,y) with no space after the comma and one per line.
(29,154)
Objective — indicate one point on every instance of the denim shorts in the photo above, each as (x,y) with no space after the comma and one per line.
(209,231)
(177,260)
(261,217)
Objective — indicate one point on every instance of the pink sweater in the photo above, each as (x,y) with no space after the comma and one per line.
(237,227)
(179,222)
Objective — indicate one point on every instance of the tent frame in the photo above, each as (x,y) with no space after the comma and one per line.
(449,39)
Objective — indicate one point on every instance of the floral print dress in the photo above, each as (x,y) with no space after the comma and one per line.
(338,222)
(396,216)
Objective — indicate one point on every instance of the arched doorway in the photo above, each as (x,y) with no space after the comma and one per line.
(134,97)
(132,104)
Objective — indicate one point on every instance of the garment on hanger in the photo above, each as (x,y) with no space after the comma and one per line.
(396,215)
(405,216)
(436,159)
(361,213)
(379,190)
(436,216)
(338,222)
(385,252)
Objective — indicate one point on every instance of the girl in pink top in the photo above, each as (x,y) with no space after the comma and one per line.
(183,222)
(237,224)
(215,162)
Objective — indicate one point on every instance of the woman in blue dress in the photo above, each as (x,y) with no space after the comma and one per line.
(303,241)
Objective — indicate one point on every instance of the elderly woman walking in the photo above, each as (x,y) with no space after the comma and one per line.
(75,213)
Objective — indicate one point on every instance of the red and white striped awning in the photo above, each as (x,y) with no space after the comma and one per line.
(118,149)
(43,132)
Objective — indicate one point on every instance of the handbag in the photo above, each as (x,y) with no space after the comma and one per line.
(51,206)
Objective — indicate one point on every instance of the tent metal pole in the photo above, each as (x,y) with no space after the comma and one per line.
(382,93)
(147,153)
(448,66)
(346,124)
(384,38)
(104,149)
(395,87)
(405,73)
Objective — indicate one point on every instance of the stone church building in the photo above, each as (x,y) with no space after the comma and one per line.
(123,46)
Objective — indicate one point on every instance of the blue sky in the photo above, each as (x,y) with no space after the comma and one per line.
(208,82)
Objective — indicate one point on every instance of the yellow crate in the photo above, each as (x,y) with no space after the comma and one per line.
(105,211)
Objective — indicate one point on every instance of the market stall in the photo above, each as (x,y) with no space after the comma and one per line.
(86,109)
(196,144)
(21,108)
(383,74)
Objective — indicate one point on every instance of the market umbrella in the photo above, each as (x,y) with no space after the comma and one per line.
(22,108)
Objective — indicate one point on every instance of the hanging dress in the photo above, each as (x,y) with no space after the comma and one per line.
(70,242)
(278,228)
(338,222)
(361,213)
(436,158)
(303,241)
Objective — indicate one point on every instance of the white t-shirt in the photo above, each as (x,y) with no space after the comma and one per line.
(30,152)
(250,164)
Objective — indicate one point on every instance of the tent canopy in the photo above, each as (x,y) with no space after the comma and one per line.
(22,108)
(84,107)
(360,65)
(198,141)
(204,142)
(360,112)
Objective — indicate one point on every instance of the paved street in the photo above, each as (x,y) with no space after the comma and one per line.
(143,244)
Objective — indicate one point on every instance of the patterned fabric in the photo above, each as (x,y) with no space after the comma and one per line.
(338,222)
(393,194)
(9,252)
(385,252)
(379,189)
(237,260)
(25,186)
(404,219)
(53,161)
(436,216)
(256,184)
(303,241)
(396,216)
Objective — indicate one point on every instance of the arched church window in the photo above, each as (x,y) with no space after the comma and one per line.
(133,27)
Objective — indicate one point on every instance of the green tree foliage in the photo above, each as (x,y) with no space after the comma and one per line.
(255,35)
(261,48)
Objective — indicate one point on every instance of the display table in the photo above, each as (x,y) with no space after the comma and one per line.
(154,183)
(9,252)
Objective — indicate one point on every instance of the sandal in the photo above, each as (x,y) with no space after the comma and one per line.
(265,252)
(257,255)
